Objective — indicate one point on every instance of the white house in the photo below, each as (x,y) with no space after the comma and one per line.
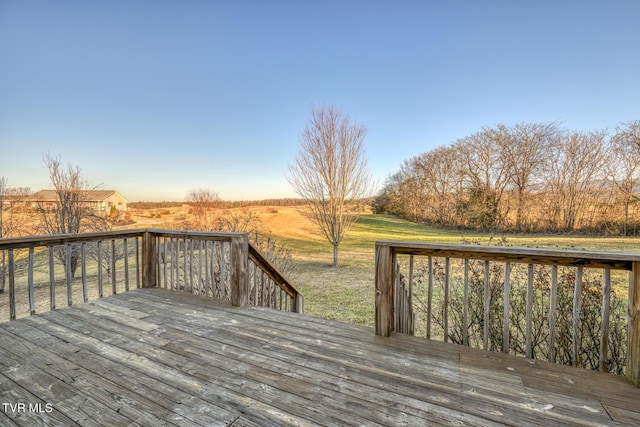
(100,201)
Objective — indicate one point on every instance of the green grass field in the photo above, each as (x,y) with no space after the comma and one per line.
(346,293)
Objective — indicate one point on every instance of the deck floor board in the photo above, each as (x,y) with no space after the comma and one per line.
(156,357)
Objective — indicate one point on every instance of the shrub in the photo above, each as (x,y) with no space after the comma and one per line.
(590,323)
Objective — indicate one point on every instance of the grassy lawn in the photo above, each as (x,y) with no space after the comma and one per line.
(346,293)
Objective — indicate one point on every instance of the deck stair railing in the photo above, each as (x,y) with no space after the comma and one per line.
(467,294)
(40,273)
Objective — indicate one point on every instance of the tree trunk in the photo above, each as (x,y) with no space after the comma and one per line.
(519,211)
(335,254)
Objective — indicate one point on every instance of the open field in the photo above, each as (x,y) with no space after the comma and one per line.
(347,293)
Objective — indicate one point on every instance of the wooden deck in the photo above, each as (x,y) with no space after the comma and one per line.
(154,357)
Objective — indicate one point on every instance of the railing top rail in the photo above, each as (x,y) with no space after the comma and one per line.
(61,239)
(213,235)
(272,271)
(612,260)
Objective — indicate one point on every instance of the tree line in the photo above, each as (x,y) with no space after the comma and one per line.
(225,204)
(524,177)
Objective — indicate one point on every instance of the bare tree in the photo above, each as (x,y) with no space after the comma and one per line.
(414,189)
(204,203)
(526,151)
(526,176)
(442,170)
(575,178)
(330,172)
(624,165)
(487,177)
(72,213)
(391,199)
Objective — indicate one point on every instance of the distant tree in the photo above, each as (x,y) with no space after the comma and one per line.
(204,203)
(443,174)
(3,264)
(391,199)
(3,193)
(486,176)
(528,176)
(414,189)
(623,166)
(330,172)
(10,224)
(243,220)
(525,149)
(575,178)
(72,213)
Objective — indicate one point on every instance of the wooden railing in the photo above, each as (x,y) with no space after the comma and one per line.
(42,273)
(530,302)
(223,265)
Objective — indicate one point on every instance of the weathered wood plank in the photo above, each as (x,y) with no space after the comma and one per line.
(318,352)
(114,289)
(240,271)
(5,420)
(506,307)
(12,287)
(465,304)
(186,375)
(575,318)
(149,260)
(138,260)
(134,407)
(100,288)
(12,395)
(92,336)
(624,415)
(180,336)
(445,302)
(633,326)
(32,300)
(529,313)
(604,326)
(498,399)
(125,250)
(553,307)
(67,271)
(152,347)
(487,306)
(329,389)
(429,296)
(83,264)
(52,280)
(180,404)
(63,397)
(384,291)
(339,372)
(192,360)
(172,376)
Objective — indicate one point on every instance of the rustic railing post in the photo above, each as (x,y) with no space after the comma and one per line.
(633,331)
(384,289)
(239,269)
(298,304)
(149,260)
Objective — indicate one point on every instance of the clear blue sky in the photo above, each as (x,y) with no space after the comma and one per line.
(154,98)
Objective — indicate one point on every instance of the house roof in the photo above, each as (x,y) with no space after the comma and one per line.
(92,195)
